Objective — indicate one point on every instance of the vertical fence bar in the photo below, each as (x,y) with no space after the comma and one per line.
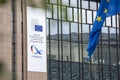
(82,75)
(52,11)
(72,14)
(91,64)
(22,39)
(61,39)
(78,25)
(50,78)
(13,6)
(99,65)
(117,45)
(109,51)
(58,40)
(101,59)
(70,52)
(110,56)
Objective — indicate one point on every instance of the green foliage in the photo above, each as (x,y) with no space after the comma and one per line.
(1,68)
(32,3)
(3,1)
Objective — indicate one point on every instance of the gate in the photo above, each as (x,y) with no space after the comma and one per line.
(68,26)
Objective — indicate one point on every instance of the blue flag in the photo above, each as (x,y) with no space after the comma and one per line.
(38,28)
(107,8)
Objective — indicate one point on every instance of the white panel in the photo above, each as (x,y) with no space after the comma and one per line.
(36,40)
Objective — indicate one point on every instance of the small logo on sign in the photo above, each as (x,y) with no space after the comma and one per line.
(35,50)
(38,28)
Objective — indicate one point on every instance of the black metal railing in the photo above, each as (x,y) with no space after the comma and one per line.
(13,7)
(68,26)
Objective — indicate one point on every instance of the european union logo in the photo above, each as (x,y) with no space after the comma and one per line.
(38,28)
(35,50)
(107,8)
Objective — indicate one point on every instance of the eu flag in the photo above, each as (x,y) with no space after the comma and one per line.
(38,28)
(107,8)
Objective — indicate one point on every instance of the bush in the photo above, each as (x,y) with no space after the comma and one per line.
(3,1)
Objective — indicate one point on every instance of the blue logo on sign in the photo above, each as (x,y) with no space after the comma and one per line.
(38,28)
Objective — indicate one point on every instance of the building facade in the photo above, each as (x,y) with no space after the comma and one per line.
(13,35)
(68,24)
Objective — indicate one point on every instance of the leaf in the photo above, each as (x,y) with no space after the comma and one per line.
(3,1)
(1,68)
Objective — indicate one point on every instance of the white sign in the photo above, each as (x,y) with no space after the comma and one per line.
(36,40)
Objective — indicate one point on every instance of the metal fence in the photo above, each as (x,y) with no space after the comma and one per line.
(68,26)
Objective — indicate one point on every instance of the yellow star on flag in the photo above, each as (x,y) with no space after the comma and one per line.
(108,0)
(105,10)
(99,18)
